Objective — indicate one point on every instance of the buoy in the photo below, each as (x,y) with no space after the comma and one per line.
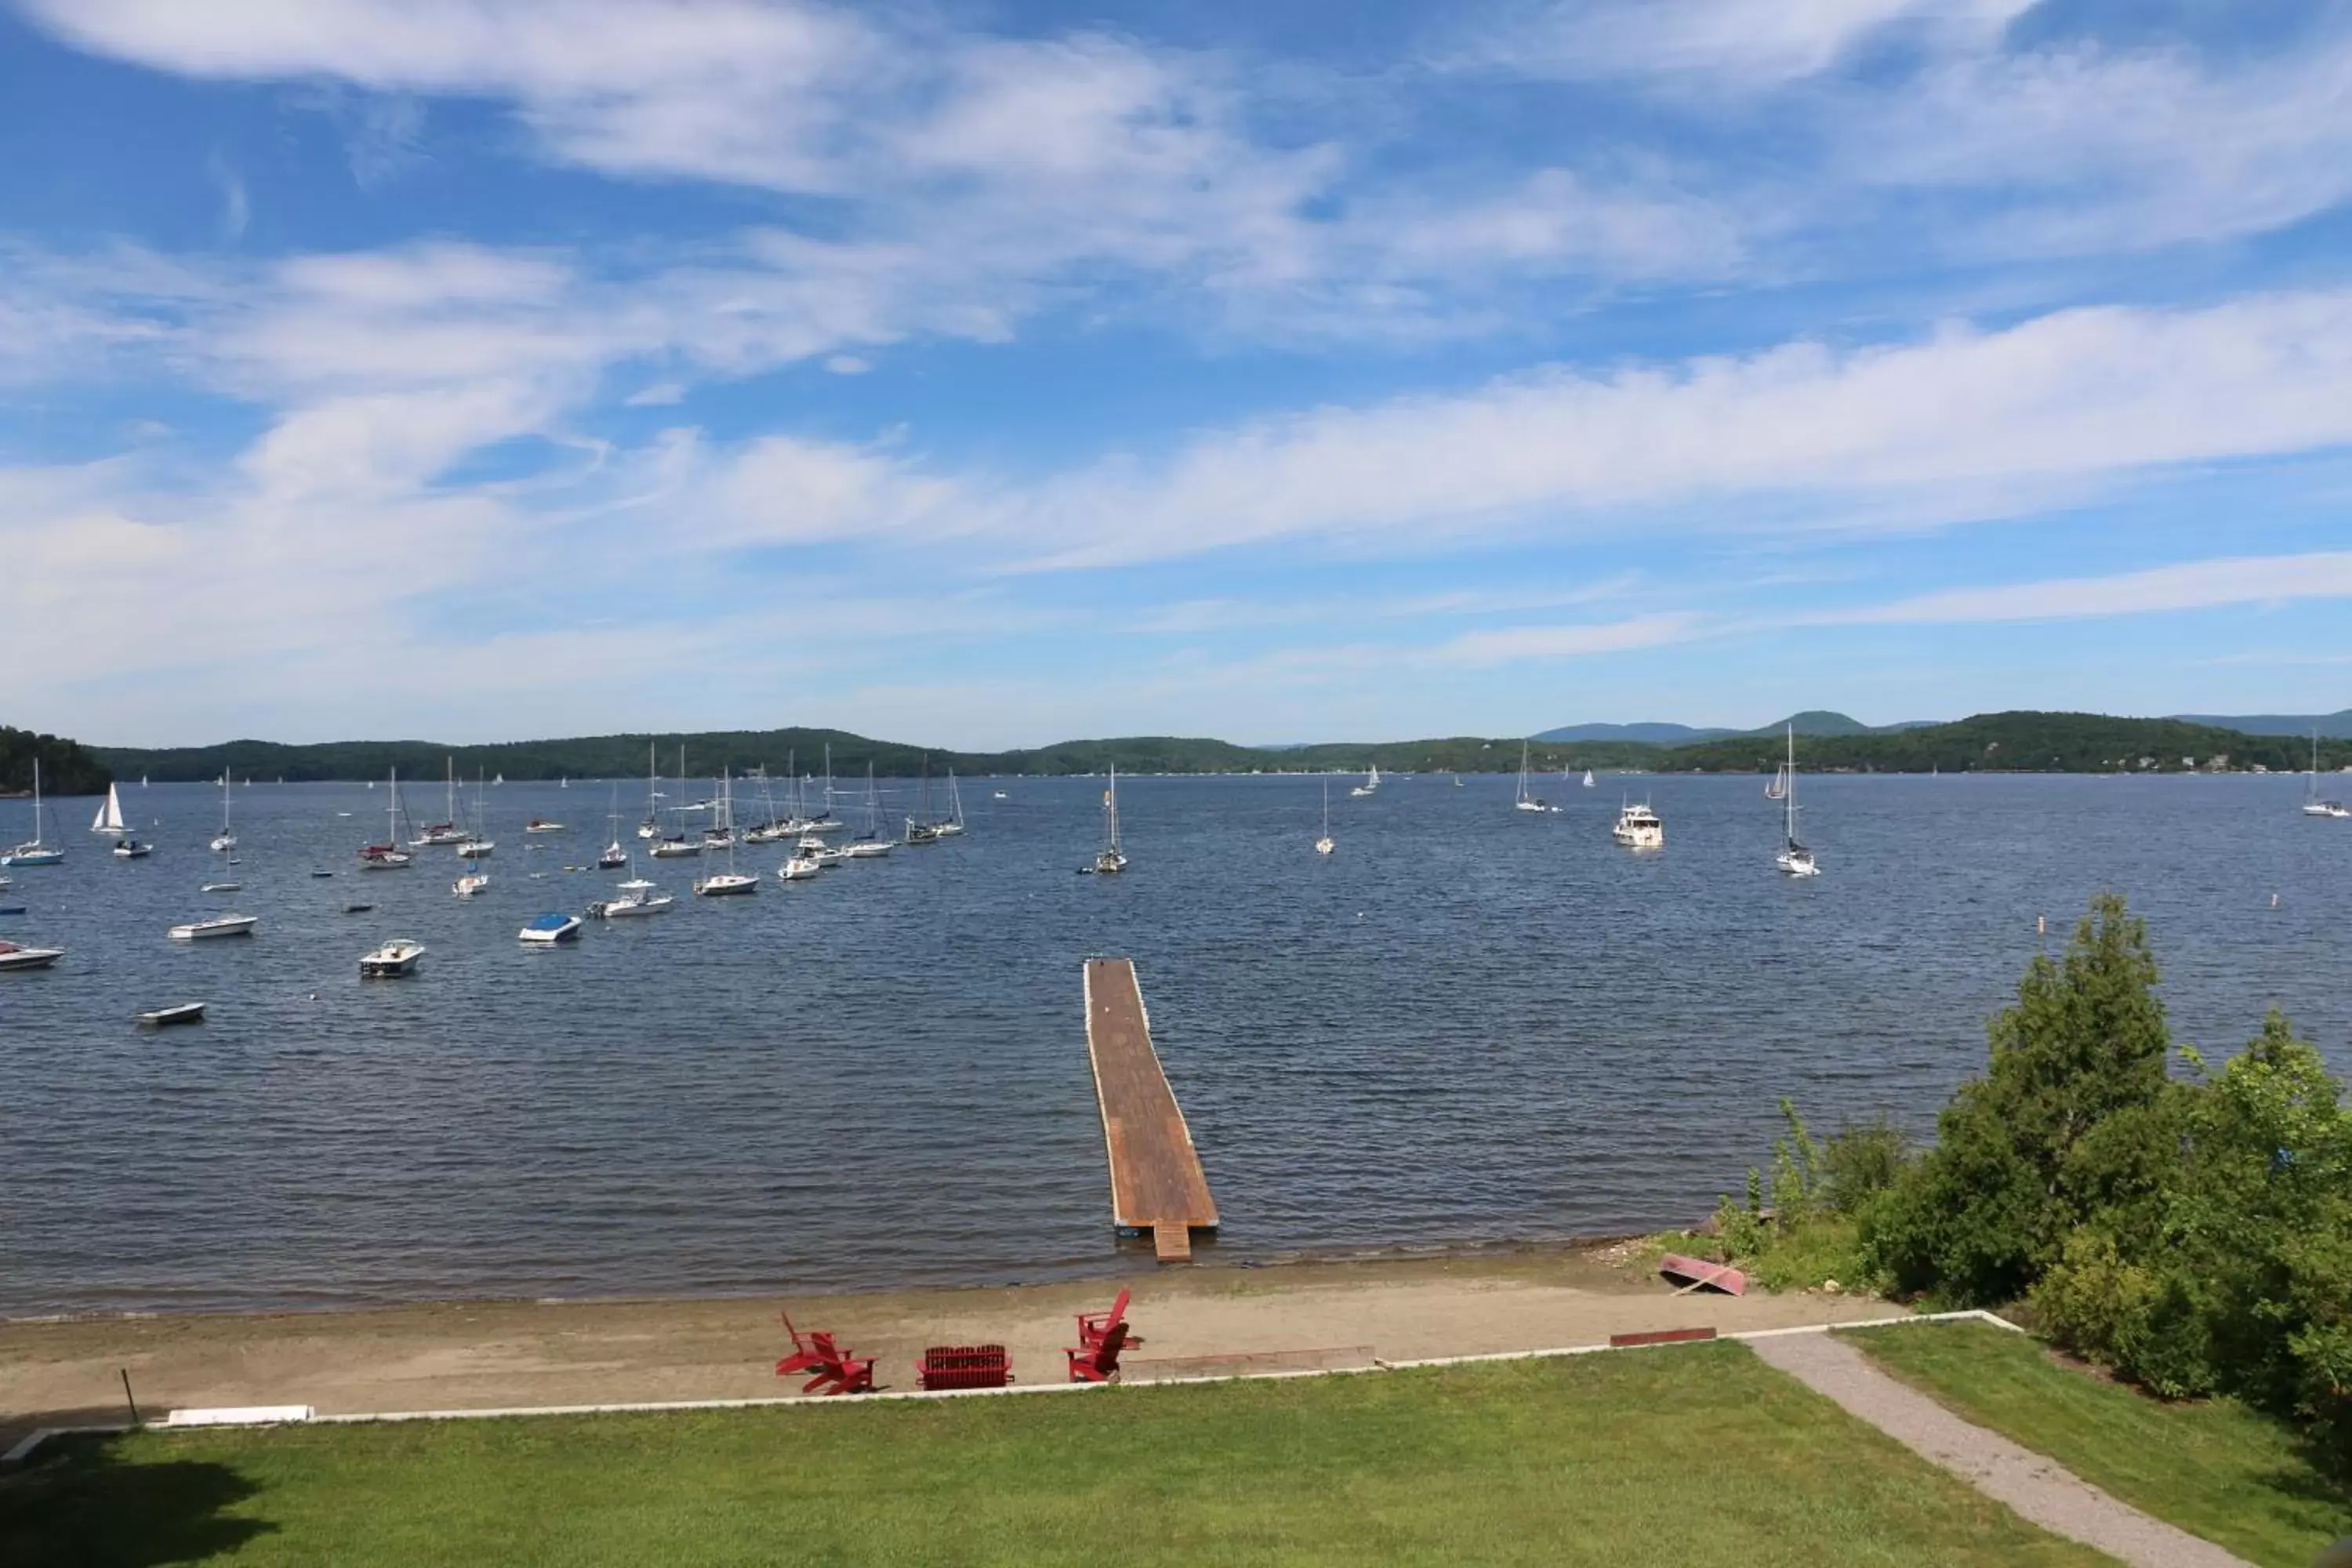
(2273,900)
(2042,925)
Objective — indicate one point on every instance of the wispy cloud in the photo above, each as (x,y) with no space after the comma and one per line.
(1511,644)
(2188,586)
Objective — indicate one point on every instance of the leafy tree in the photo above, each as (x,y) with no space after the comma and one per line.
(2020,1159)
(2236,1276)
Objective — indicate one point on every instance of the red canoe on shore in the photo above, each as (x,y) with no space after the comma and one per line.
(1697,1274)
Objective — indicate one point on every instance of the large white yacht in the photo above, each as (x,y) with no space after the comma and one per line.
(1639,827)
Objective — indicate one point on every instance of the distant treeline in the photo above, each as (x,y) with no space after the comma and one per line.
(1991,743)
(66,768)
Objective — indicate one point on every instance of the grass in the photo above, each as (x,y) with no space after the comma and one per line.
(1698,1455)
(2212,1467)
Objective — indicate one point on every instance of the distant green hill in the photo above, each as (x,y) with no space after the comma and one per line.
(2017,743)
(67,768)
(1998,743)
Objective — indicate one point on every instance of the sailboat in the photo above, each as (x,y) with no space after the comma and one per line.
(388,855)
(1526,799)
(1110,858)
(651,826)
(1324,846)
(109,819)
(225,840)
(2311,805)
(446,830)
(615,856)
(954,823)
(1371,781)
(729,883)
(1794,858)
(1588,778)
(478,845)
(33,852)
(870,845)
(920,829)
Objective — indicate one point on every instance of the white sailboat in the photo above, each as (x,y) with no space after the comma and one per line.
(478,844)
(2311,805)
(1324,846)
(1112,858)
(615,856)
(109,816)
(1588,778)
(33,852)
(1526,799)
(1794,859)
(225,839)
(1371,781)
(729,883)
(388,855)
(953,826)
(870,845)
(651,826)
(446,830)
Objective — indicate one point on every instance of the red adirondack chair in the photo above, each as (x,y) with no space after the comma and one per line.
(1095,1327)
(835,1371)
(1098,1363)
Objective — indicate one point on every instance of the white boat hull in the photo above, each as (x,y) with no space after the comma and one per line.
(206,931)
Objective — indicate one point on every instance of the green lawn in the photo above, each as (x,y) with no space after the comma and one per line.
(1697,1456)
(2212,1467)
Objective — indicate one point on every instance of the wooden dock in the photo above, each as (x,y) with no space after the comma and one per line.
(1156,1183)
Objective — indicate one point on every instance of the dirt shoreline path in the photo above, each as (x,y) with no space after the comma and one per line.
(513,1353)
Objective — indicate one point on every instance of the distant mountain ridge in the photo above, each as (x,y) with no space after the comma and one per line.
(1813,722)
(2331,726)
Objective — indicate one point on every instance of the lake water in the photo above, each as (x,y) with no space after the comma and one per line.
(1469,1026)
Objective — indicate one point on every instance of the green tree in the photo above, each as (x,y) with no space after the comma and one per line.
(2019,1158)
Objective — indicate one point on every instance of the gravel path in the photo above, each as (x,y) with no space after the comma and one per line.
(2037,1489)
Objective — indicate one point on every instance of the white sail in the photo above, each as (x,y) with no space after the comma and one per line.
(109,816)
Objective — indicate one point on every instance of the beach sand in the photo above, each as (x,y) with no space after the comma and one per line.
(517,1354)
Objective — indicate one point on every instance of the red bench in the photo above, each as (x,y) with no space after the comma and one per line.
(964,1366)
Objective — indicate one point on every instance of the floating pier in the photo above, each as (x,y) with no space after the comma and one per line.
(1156,1183)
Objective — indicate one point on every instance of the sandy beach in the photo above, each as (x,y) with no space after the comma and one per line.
(514,1354)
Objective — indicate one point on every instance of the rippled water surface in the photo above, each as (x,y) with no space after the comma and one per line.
(1469,1025)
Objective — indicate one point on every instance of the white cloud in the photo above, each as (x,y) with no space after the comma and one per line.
(1513,645)
(847,364)
(1761,42)
(1965,423)
(2188,586)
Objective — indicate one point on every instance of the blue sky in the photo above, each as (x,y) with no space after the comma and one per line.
(986,376)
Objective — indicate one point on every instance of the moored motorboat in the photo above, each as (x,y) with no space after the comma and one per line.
(551,928)
(129,848)
(799,868)
(726,884)
(541,824)
(637,899)
(393,959)
(16,955)
(220,886)
(470,884)
(217,926)
(1639,827)
(164,1017)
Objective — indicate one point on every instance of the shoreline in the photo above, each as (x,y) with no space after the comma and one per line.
(503,1354)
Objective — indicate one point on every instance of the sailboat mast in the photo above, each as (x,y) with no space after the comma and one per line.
(1789,830)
